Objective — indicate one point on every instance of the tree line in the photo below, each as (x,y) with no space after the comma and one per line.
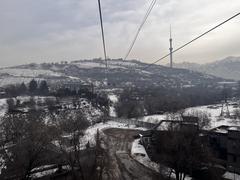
(38,138)
(145,101)
(32,88)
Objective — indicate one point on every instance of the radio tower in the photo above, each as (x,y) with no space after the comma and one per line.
(171,49)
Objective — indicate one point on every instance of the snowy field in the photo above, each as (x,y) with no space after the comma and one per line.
(18,75)
(212,111)
(28,72)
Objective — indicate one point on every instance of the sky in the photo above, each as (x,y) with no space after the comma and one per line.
(36,31)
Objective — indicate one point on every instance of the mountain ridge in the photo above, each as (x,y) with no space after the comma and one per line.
(227,68)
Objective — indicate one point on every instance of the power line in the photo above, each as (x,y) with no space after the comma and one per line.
(103,38)
(140,27)
(179,48)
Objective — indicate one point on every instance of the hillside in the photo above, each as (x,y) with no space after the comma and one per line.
(120,74)
(228,68)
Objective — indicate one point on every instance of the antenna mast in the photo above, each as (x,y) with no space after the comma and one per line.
(171,48)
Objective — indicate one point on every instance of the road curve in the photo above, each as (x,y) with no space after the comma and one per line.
(118,164)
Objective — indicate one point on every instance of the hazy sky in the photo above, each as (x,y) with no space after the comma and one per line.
(56,30)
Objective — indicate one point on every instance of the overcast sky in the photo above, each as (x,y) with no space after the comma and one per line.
(56,30)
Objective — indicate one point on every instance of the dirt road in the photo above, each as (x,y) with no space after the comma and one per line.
(118,164)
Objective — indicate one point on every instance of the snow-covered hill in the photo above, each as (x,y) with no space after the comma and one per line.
(228,68)
(120,74)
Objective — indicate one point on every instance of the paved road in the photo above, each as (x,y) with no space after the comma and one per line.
(118,164)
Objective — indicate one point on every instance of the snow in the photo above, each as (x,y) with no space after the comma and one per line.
(43,173)
(18,75)
(90,133)
(137,148)
(113,101)
(42,167)
(213,112)
(232,176)
(236,128)
(2,164)
(28,72)
(91,113)
(112,112)
(99,64)
(113,98)
(139,153)
(72,77)
(154,118)
(3,107)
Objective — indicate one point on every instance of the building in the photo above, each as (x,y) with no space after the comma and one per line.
(225,144)
(223,141)
(233,149)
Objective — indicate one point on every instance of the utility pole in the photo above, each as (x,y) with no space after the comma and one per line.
(225,94)
(171,49)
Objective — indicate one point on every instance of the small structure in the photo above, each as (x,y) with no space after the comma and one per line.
(225,110)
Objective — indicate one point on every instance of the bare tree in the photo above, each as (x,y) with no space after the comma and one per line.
(26,140)
(204,119)
(182,151)
(236,114)
(71,125)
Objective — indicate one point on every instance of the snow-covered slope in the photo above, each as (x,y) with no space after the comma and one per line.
(28,72)
(211,111)
(228,68)
(120,74)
